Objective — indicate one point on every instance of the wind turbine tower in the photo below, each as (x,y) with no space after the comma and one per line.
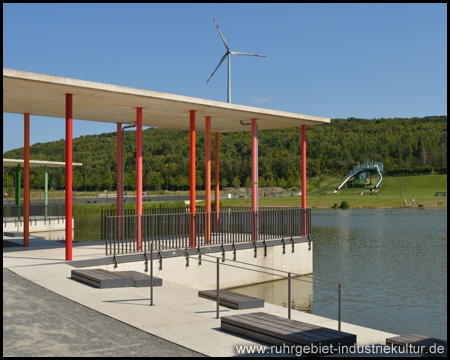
(228,53)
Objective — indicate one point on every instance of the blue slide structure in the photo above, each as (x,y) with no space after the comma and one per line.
(360,173)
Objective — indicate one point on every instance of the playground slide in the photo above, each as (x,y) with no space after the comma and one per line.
(353,173)
(379,175)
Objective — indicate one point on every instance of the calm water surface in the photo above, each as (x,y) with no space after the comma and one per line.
(87,227)
(392,265)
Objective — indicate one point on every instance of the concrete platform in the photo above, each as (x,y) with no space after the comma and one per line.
(178,314)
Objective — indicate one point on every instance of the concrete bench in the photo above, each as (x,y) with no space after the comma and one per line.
(425,344)
(232,300)
(276,330)
(443,193)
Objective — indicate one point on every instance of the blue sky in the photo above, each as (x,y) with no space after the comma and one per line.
(331,60)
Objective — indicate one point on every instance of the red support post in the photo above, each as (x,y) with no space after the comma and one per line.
(255,179)
(69,110)
(139,174)
(192,176)
(208,178)
(26,182)
(304,177)
(119,178)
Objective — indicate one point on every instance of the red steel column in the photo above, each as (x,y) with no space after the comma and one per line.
(192,176)
(217,186)
(254,178)
(26,182)
(304,176)
(119,178)
(208,177)
(139,172)
(69,109)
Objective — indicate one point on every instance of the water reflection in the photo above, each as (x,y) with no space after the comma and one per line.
(87,227)
(57,235)
(275,292)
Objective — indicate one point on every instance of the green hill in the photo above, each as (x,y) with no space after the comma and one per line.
(405,146)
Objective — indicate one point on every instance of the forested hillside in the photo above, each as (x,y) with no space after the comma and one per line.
(407,146)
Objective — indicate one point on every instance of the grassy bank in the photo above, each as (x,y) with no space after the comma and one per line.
(391,194)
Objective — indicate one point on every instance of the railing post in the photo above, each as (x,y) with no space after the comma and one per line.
(289,295)
(106,239)
(151,274)
(192,232)
(339,307)
(217,289)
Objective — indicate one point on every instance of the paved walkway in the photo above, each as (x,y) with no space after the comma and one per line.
(39,322)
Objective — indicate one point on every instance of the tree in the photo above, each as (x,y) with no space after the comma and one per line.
(182,181)
(271,182)
(236,182)
(157,181)
(62,182)
(291,182)
(36,178)
(77,180)
(248,182)
(198,179)
(282,183)
(8,181)
(107,180)
(130,180)
(261,182)
(95,180)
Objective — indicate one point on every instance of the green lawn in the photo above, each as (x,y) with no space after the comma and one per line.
(422,188)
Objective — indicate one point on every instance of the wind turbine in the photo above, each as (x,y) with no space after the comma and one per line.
(228,53)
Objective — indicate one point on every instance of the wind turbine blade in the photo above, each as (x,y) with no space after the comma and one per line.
(239,53)
(220,63)
(220,32)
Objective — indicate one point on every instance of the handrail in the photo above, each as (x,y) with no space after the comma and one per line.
(265,267)
(339,286)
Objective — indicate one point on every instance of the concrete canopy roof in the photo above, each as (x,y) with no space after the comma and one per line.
(36,163)
(44,95)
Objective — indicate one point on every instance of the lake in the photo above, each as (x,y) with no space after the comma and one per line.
(392,264)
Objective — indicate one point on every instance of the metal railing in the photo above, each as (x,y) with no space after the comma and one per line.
(193,230)
(178,210)
(129,212)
